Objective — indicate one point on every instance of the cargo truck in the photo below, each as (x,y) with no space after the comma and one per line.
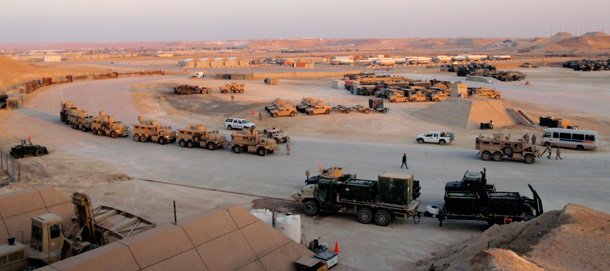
(379,201)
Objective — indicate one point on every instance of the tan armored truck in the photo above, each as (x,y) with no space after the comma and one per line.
(65,108)
(199,136)
(396,97)
(251,141)
(277,102)
(497,147)
(483,92)
(72,114)
(233,87)
(275,134)
(418,97)
(439,96)
(150,130)
(284,110)
(81,120)
(104,125)
(188,89)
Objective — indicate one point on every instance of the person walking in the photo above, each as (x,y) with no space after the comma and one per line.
(288,148)
(548,148)
(260,115)
(404,161)
(558,154)
(534,139)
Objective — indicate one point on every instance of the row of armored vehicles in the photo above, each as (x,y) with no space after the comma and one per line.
(246,140)
(312,106)
(189,89)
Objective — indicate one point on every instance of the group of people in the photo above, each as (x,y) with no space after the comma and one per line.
(526,139)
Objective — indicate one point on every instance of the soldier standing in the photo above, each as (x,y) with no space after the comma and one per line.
(548,148)
(232,98)
(288,148)
(558,154)
(526,138)
(534,139)
(307,174)
(260,115)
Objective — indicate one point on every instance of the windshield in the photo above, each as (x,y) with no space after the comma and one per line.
(36,233)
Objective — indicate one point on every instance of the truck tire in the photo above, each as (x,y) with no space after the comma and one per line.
(546,144)
(382,218)
(580,147)
(113,134)
(261,151)
(229,127)
(310,207)
(196,139)
(182,143)
(136,138)
(530,159)
(39,152)
(508,151)
(420,140)
(94,131)
(190,144)
(310,113)
(497,156)
(143,139)
(365,215)
(162,140)
(274,115)
(486,156)
(83,128)
(327,112)
(292,114)
(236,149)
(442,142)
(211,146)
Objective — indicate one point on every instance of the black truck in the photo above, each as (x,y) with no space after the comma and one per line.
(473,198)
(379,201)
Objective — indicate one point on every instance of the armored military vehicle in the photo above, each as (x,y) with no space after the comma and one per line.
(499,146)
(439,96)
(80,120)
(199,136)
(275,134)
(418,97)
(104,125)
(250,141)
(233,87)
(150,130)
(283,110)
(27,148)
(474,199)
(361,109)
(397,98)
(380,201)
(72,113)
(188,89)
(65,108)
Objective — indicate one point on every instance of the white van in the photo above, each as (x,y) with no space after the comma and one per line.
(570,138)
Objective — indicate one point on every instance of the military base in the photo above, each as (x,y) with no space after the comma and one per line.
(434,154)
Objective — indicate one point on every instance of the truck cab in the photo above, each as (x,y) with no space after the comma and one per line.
(47,238)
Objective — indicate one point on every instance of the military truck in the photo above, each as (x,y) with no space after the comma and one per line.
(483,92)
(397,98)
(418,97)
(52,242)
(377,105)
(233,87)
(150,130)
(380,201)
(439,96)
(250,141)
(283,110)
(497,147)
(361,109)
(473,198)
(199,136)
(80,120)
(71,115)
(104,125)
(277,102)
(27,148)
(65,108)
(275,134)
(441,138)
(188,89)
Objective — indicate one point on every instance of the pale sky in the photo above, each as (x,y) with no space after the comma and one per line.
(211,20)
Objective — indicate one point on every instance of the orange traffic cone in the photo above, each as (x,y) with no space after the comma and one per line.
(29,138)
(336,247)
(527,83)
(253,112)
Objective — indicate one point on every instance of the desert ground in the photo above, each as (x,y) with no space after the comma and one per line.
(146,177)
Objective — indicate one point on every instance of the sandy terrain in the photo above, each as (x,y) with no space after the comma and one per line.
(353,141)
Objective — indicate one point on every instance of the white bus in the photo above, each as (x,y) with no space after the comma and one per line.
(570,138)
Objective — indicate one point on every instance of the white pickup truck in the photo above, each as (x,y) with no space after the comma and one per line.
(238,124)
(435,137)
